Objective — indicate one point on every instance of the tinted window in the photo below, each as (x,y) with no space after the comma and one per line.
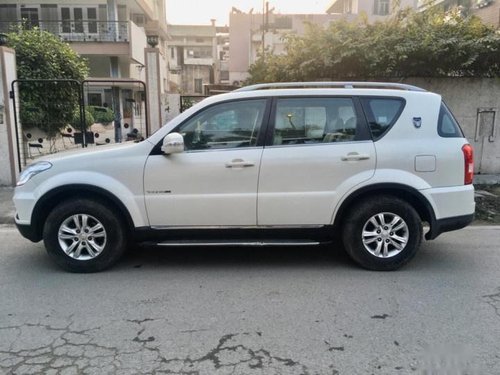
(226,125)
(314,120)
(447,125)
(382,113)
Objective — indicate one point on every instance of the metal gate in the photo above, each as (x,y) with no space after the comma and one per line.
(56,115)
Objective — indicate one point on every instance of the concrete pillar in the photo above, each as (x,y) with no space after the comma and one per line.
(153,87)
(9,155)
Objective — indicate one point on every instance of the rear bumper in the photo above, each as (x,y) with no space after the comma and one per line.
(27,231)
(448,224)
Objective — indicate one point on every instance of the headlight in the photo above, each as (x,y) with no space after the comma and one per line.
(33,170)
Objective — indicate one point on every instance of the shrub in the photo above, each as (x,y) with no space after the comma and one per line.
(103,115)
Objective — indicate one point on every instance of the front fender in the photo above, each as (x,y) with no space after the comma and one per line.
(131,197)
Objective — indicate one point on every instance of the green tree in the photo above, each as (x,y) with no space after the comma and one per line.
(433,43)
(49,106)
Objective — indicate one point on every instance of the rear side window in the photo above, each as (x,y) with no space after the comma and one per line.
(382,113)
(447,125)
(315,120)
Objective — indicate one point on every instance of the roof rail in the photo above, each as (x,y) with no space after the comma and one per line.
(345,85)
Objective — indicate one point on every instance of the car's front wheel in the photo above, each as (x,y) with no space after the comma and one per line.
(382,233)
(84,235)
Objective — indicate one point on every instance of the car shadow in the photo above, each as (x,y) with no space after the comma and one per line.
(330,256)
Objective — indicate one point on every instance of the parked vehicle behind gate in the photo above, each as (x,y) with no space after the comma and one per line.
(271,164)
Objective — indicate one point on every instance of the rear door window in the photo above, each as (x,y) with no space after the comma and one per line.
(316,120)
(382,113)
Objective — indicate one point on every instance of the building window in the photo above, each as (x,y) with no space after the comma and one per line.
(348,6)
(198,85)
(200,52)
(92,20)
(30,17)
(172,52)
(94,99)
(381,7)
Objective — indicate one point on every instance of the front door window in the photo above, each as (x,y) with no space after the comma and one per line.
(227,125)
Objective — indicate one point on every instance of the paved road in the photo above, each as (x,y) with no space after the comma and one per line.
(247,311)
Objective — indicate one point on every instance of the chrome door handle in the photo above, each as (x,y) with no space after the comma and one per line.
(239,163)
(354,156)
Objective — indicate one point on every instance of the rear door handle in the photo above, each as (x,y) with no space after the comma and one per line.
(354,156)
(239,163)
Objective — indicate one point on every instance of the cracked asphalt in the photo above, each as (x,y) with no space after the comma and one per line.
(254,311)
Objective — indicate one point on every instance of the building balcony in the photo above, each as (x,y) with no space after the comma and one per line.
(79,30)
(199,61)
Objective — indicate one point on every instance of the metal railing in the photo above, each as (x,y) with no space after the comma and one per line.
(77,30)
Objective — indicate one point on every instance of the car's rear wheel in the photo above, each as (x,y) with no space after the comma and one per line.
(84,235)
(382,233)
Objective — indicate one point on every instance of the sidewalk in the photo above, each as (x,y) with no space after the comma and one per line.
(7,210)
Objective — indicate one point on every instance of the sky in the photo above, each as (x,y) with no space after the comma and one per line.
(199,12)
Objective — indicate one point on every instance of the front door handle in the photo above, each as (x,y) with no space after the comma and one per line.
(354,156)
(239,163)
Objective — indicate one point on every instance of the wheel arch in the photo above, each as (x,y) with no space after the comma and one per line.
(407,193)
(67,192)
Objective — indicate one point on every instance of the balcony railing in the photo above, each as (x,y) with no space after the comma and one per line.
(77,31)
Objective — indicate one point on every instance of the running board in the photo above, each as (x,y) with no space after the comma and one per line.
(238,243)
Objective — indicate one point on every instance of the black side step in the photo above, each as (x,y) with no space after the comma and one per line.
(251,243)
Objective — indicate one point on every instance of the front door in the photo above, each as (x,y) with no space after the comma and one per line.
(214,181)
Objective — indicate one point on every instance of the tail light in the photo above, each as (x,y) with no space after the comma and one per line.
(468,163)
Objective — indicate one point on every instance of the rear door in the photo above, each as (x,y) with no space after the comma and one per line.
(317,149)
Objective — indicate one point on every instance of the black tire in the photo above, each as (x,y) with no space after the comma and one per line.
(389,207)
(111,240)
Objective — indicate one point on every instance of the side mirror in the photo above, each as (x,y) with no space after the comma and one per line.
(173,143)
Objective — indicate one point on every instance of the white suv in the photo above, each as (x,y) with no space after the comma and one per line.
(271,164)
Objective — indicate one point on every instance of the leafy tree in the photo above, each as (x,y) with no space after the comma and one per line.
(49,106)
(426,44)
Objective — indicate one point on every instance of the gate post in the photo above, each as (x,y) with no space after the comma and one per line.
(9,155)
(153,87)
